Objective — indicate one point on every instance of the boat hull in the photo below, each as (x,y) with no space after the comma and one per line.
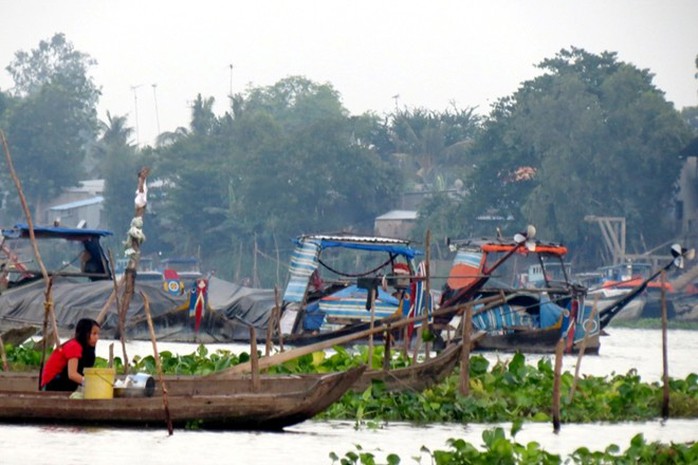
(533,341)
(211,404)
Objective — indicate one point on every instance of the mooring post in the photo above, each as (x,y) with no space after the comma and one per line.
(559,349)
(254,359)
(665,359)
(465,355)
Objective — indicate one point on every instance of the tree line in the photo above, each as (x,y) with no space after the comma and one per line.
(591,135)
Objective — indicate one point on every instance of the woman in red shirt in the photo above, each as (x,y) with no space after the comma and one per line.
(64,369)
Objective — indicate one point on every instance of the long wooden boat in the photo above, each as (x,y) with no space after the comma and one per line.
(534,341)
(415,377)
(234,404)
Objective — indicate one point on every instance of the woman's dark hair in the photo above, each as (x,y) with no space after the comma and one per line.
(82,335)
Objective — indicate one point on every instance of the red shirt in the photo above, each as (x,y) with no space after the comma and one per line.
(59,360)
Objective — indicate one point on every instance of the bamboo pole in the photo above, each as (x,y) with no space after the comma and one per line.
(110,300)
(583,345)
(427,291)
(48,301)
(133,243)
(386,348)
(158,363)
(665,358)
(279,358)
(465,354)
(559,350)
(122,321)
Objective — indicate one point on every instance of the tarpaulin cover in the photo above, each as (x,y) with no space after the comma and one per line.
(74,300)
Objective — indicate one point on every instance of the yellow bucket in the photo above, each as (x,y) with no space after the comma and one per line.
(99,383)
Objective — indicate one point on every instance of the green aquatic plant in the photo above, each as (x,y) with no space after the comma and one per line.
(516,390)
(498,448)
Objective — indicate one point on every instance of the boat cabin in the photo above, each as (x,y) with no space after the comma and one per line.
(331,277)
(71,252)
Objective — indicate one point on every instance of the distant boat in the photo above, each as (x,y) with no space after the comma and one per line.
(611,283)
(529,306)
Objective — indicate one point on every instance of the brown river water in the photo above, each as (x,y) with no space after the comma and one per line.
(311,442)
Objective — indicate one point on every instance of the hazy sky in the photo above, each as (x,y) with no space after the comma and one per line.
(430,53)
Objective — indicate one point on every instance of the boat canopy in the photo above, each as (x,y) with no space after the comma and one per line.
(374,244)
(20,231)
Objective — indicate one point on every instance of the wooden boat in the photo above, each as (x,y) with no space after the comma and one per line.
(339,283)
(533,314)
(533,341)
(277,402)
(414,378)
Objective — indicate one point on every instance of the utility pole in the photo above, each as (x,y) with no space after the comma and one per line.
(135,104)
(157,114)
(230,94)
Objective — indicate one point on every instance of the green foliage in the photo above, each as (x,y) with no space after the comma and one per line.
(52,118)
(23,357)
(497,448)
(514,391)
(287,160)
(590,127)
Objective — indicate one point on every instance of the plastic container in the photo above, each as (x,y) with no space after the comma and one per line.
(136,385)
(99,383)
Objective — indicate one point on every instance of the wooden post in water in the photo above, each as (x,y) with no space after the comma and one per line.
(405,340)
(110,362)
(270,330)
(372,300)
(665,359)
(386,349)
(158,363)
(5,367)
(465,354)
(427,290)
(277,308)
(583,345)
(559,349)
(254,359)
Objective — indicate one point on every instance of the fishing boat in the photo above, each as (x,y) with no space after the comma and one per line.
(270,402)
(413,378)
(342,284)
(536,309)
(615,308)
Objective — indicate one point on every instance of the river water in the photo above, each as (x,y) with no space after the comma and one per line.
(311,442)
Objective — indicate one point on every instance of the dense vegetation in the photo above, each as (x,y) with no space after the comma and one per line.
(497,448)
(506,391)
(288,158)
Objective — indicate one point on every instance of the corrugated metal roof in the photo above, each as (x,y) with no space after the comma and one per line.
(78,203)
(399,215)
